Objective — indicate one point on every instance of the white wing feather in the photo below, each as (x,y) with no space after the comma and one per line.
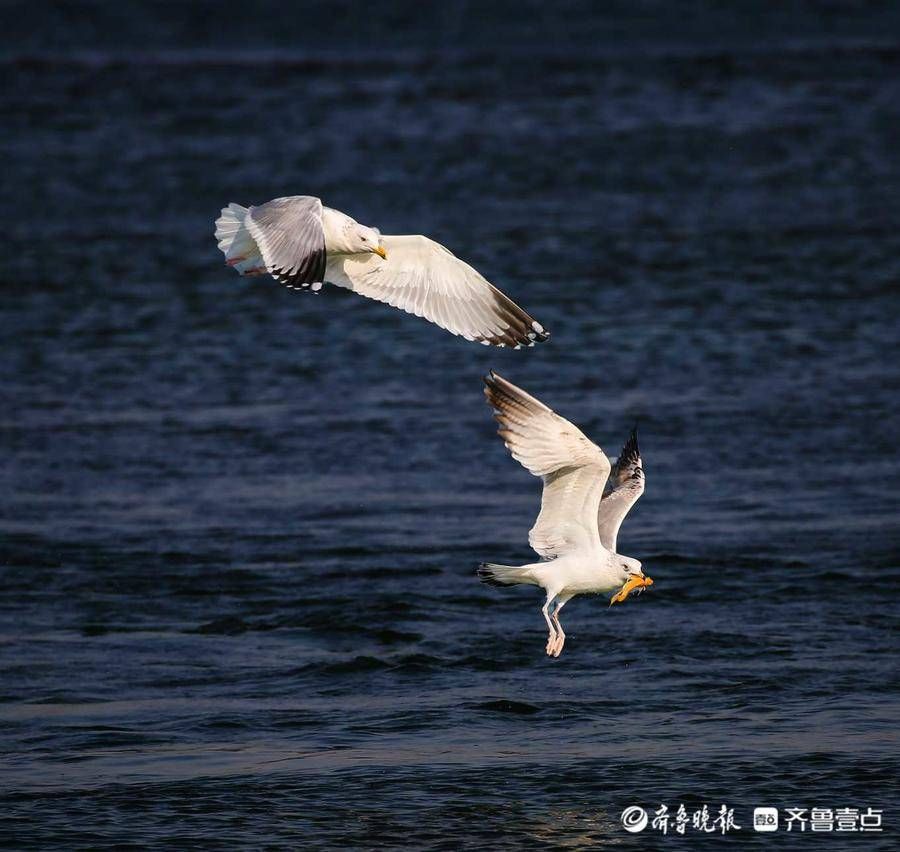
(623,489)
(574,469)
(421,277)
(291,239)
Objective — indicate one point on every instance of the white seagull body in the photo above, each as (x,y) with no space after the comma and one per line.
(582,506)
(303,244)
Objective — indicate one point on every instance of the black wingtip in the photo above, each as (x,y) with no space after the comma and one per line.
(631,448)
(487,576)
(517,338)
(493,378)
(537,334)
(490,387)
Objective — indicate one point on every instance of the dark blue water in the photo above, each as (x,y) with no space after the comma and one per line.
(240,524)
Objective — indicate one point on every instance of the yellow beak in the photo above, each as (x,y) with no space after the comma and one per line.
(635,581)
(380,251)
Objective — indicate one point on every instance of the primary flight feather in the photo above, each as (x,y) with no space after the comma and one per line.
(582,506)
(303,244)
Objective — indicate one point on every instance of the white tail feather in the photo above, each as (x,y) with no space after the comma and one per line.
(504,575)
(235,242)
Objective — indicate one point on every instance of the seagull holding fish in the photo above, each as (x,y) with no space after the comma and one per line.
(303,244)
(584,501)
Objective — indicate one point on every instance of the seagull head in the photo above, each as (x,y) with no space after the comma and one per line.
(365,239)
(630,568)
(634,573)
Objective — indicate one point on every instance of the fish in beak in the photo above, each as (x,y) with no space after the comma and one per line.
(635,581)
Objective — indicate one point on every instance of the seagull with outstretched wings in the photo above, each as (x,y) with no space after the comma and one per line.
(303,244)
(582,507)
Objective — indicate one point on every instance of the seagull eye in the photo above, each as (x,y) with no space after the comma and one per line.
(364,239)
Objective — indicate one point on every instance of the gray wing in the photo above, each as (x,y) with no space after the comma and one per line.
(574,469)
(623,488)
(291,239)
(421,277)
